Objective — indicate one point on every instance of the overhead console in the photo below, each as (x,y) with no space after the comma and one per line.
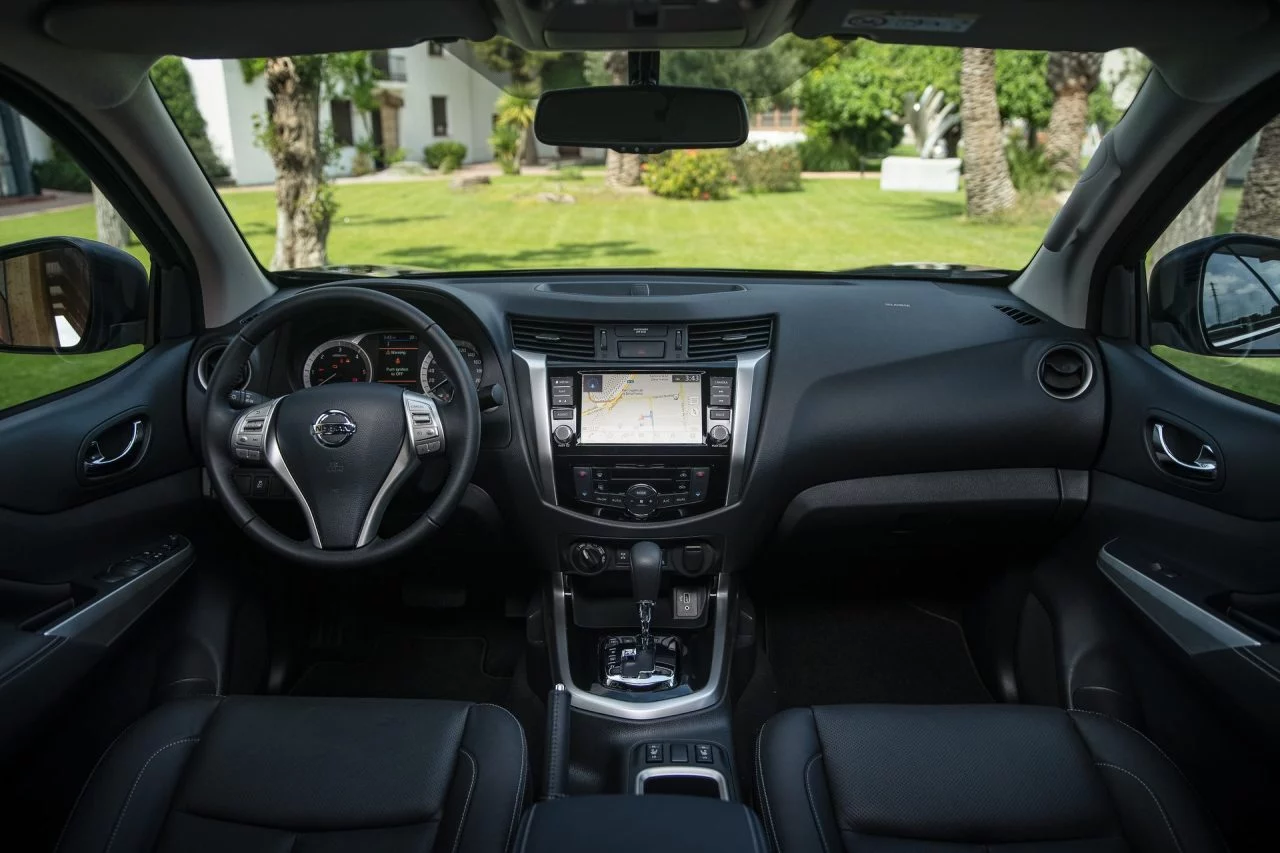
(643,422)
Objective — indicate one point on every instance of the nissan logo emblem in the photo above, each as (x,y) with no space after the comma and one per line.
(334,428)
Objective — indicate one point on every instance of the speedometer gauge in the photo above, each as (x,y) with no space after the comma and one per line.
(336,361)
(437,384)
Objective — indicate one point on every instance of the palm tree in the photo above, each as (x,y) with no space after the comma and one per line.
(515,109)
(1198,219)
(987,186)
(1260,202)
(620,170)
(1071,76)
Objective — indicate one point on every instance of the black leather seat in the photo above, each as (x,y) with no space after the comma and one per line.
(249,774)
(958,778)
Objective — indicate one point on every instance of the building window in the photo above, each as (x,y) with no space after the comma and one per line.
(439,116)
(340,120)
(435,48)
(388,66)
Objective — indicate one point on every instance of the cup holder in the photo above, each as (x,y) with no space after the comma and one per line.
(683,781)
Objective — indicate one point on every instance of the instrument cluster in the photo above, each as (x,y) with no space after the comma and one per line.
(393,358)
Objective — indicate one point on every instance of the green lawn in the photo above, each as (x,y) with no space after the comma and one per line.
(25,377)
(1254,377)
(831,224)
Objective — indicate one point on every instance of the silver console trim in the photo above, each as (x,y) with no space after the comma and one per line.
(696,772)
(275,461)
(748,381)
(1193,628)
(656,709)
(531,372)
(105,618)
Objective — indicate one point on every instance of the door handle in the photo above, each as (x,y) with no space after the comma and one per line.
(96,463)
(1203,467)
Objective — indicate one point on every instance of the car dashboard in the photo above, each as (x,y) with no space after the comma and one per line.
(727,411)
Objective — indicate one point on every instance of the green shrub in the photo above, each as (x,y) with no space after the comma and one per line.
(823,154)
(505,142)
(434,155)
(569,173)
(700,175)
(761,169)
(448,164)
(173,84)
(1033,172)
(60,172)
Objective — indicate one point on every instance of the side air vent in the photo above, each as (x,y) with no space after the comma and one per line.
(554,337)
(1022,318)
(730,337)
(1065,371)
(209,360)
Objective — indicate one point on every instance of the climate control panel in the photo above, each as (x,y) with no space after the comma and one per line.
(640,491)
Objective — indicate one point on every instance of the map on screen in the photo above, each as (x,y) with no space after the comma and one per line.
(641,408)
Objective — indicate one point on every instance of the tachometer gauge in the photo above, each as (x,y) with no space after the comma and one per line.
(437,384)
(336,361)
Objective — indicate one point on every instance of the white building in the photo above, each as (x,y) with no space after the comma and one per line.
(427,95)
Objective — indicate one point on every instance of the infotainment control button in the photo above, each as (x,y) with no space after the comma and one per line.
(718,414)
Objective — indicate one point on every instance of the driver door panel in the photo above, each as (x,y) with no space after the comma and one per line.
(63,528)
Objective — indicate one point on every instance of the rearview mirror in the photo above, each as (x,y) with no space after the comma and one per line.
(68,295)
(642,119)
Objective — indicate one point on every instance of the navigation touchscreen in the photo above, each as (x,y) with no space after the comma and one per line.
(641,408)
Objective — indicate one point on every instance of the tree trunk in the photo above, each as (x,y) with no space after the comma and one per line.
(528,148)
(1198,219)
(1072,76)
(620,170)
(303,209)
(112,229)
(1066,129)
(1259,211)
(987,186)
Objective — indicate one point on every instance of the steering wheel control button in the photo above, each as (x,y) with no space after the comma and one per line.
(432,446)
(425,432)
(248,455)
(249,440)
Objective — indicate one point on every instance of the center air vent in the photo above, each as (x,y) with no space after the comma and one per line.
(729,337)
(1065,371)
(553,337)
(1022,318)
(209,360)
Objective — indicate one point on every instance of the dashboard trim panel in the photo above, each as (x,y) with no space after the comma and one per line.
(751,370)
(531,372)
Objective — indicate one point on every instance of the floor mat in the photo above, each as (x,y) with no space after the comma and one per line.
(869,651)
(408,666)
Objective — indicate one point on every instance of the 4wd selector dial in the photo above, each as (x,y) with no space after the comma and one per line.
(588,557)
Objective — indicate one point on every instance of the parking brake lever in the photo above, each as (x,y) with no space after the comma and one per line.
(557,781)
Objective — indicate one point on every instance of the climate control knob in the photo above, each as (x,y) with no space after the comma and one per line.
(563,435)
(588,557)
(718,434)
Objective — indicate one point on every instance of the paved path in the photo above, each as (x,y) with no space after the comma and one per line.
(11,208)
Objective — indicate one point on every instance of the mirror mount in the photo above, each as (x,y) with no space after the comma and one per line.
(643,67)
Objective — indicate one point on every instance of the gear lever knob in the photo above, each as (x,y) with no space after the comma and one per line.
(646,571)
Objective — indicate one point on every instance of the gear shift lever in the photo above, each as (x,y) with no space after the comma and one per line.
(646,577)
(641,662)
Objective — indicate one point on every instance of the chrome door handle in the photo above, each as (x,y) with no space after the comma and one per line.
(96,463)
(1203,467)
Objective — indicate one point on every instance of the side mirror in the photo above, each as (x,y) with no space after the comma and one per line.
(1218,296)
(68,295)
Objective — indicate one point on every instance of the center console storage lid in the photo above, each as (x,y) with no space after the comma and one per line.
(635,824)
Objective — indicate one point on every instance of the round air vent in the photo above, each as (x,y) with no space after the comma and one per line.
(209,360)
(1065,371)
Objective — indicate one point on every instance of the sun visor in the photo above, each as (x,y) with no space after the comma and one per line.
(248,28)
(1085,25)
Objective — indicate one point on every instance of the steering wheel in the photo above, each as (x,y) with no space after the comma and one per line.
(342,451)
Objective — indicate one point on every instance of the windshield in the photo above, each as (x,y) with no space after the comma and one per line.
(859,155)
